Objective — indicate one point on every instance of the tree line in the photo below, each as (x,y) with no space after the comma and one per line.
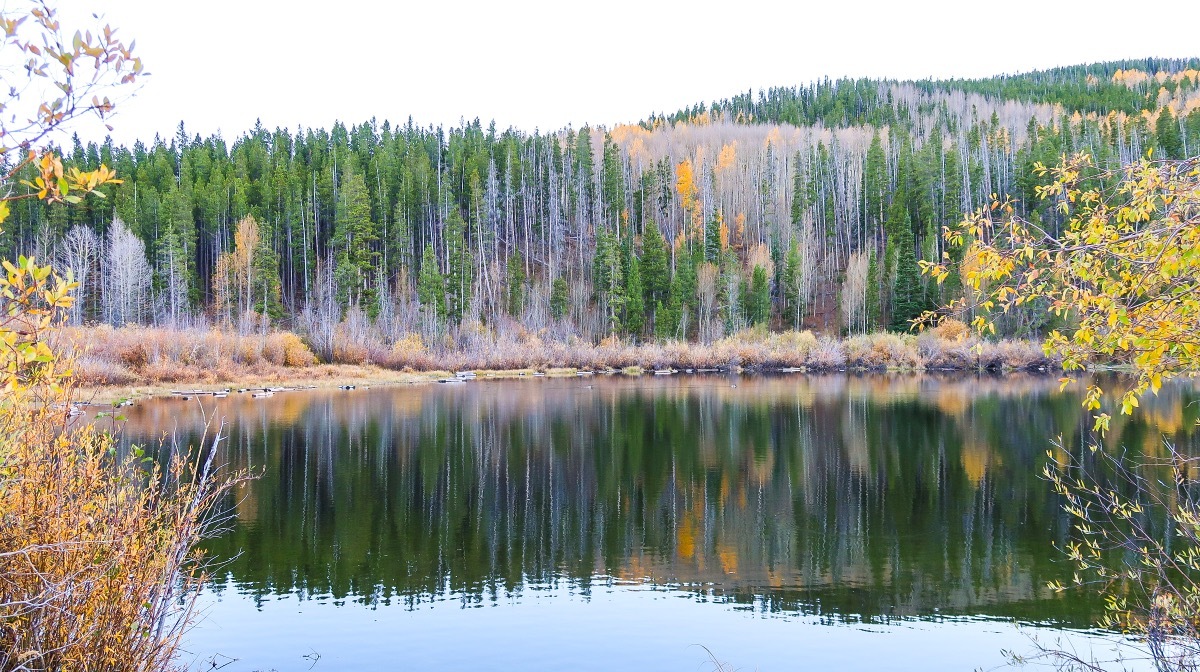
(803,208)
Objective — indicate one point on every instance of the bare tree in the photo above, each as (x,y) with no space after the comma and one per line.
(322,312)
(126,276)
(854,292)
(76,255)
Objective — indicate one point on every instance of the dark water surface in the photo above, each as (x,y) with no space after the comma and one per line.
(856,523)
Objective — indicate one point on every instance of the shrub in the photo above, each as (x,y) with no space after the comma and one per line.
(295,352)
(96,562)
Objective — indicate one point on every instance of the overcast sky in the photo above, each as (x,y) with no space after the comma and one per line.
(222,64)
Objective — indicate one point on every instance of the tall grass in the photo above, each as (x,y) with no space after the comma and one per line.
(139,354)
(104,355)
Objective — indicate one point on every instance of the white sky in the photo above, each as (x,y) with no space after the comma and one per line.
(221,64)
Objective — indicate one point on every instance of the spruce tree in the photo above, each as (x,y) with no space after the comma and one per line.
(559,298)
(516,284)
(354,236)
(908,300)
(656,269)
(635,311)
(607,278)
(666,321)
(760,297)
(460,268)
(431,286)
(873,307)
(712,239)
(681,299)
(267,291)
(875,181)
(791,280)
(1166,131)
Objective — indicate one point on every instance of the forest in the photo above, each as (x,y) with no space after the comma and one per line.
(790,208)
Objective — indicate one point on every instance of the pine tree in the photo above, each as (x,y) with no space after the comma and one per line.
(354,236)
(516,284)
(1166,131)
(656,269)
(875,182)
(712,239)
(559,297)
(908,300)
(635,311)
(759,309)
(460,268)
(793,306)
(431,286)
(873,307)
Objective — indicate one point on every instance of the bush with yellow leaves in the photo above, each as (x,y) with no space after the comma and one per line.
(97,561)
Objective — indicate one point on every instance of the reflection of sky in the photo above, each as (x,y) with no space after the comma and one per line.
(617,627)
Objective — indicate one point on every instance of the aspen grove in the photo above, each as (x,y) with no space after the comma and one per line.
(803,207)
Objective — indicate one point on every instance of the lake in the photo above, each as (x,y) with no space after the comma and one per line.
(602,523)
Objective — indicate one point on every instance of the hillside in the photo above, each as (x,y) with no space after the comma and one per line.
(793,207)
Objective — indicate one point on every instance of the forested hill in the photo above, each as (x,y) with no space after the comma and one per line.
(1113,86)
(794,207)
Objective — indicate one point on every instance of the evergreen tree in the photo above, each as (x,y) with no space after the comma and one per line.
(176,252)
(759,309)
(656,268)
(266,293)
(516,284)
(873,307)
(793,307)
(559,297)
(712,239)
(635,311)
(907,298)
(354,236)
(666,323)
(612,182)
(460,268)
(1166,131)
(681,300)
(875,182)
(431,286)
(607,278)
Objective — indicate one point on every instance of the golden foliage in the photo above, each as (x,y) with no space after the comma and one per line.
(96,562)
(295,352)
(97,569)
(727,157)
(1126,268)
(685,185)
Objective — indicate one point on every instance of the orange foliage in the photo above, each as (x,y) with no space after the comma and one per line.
(727,156)
(685,185)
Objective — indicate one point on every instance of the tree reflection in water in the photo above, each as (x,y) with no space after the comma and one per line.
(849,497)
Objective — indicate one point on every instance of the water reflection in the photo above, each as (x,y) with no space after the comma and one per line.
(840,497)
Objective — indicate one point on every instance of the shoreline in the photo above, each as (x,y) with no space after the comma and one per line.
(139,362)
(333,376)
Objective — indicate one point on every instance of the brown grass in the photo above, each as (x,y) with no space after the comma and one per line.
(157,356)
(105,356)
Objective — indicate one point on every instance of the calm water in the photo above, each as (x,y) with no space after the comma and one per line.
(857,523)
